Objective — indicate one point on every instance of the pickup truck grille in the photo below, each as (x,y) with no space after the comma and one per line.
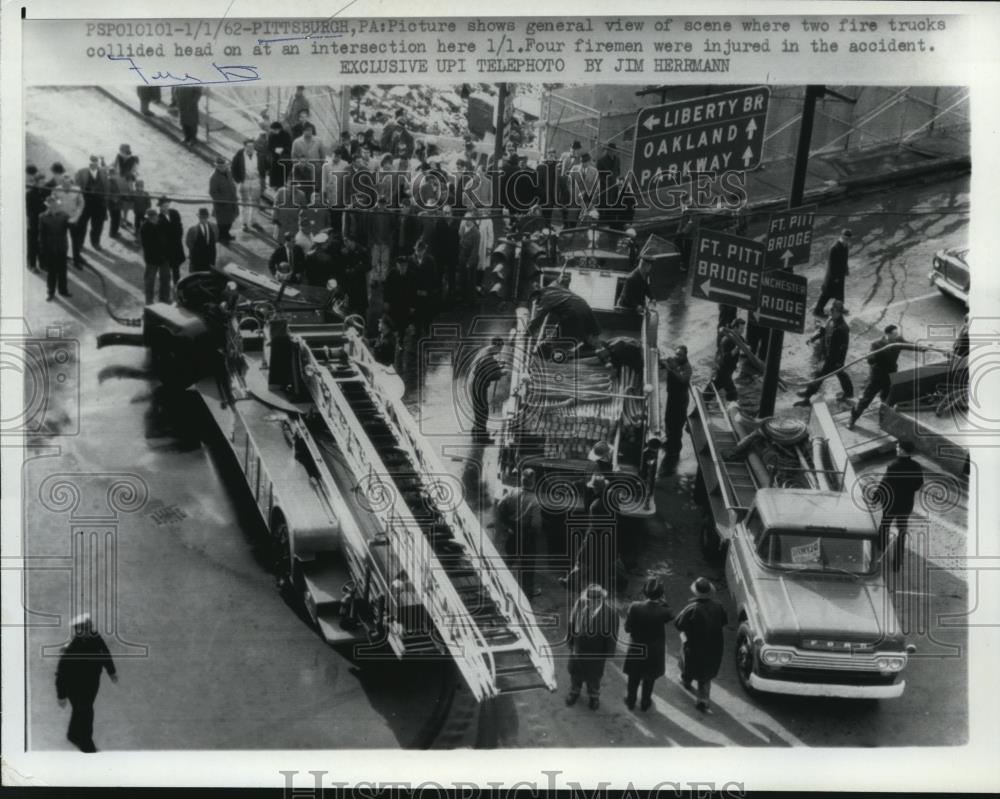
(829,676)
(828,661)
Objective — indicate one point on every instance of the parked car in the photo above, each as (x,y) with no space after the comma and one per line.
(950,273)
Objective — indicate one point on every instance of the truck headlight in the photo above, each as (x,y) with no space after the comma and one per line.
(769,656)
(891,663)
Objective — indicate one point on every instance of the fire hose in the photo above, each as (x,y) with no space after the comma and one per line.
(134,321)
(787,384)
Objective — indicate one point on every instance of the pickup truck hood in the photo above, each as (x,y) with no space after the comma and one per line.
(798,606)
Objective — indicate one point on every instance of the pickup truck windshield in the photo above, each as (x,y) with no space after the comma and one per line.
(798,550)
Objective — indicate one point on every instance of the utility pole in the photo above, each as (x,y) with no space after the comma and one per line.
(776,340)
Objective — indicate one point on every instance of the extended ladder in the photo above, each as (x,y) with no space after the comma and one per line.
(452,589)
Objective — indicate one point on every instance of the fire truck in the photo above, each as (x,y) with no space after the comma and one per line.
(802,558)
(366,528)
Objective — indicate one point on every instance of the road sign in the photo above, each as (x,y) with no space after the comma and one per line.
(782,302)
(789,238)
(719,133)
(727,269)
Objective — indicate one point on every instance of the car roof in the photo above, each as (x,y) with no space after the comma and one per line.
(798,508)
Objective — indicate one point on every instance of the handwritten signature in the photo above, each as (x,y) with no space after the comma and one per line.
(229,74)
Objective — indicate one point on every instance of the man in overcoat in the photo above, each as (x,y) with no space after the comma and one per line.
(225,200)
(593,630)
(645,662)
(701,621)
(78,677)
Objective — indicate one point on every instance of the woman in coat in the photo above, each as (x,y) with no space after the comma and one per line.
(187,107)
(701,621)
(225,200)
(646,659)
(593,628)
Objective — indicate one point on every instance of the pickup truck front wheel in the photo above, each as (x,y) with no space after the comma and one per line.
(745,658)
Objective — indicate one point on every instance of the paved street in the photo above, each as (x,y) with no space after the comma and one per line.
(229,665)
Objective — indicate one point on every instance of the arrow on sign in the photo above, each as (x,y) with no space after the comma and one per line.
(651,122)
(751,128)
(759,315)
(786,256)
(706,288)
(747,156)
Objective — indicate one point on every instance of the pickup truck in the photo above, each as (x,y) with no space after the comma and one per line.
(802,555)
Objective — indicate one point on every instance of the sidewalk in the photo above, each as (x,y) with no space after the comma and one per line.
(829,176)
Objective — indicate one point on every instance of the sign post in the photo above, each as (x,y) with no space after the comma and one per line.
(727,269)
(720,133)
(789,238)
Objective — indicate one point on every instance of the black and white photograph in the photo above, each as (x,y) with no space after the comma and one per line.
(498,407)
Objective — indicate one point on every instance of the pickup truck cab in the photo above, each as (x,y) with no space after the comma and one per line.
(815,616)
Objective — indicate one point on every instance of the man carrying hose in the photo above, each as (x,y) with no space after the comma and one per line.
(884,361)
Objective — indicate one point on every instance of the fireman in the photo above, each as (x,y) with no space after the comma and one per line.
(636,290)
(570,311)
(486,371)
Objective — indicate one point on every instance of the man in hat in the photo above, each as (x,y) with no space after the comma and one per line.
(201,239)
(172,233)
(608,163)
(837,339)
(701,623)
(225,200)
(245,172)
(355,263)
(93,182)
(289,253)
(896,493)
(78,678)
(520,518)
(678,369)
(53,245)
(836,274)
(595,552)
(487,369)
(636,289)
(154,256)
(591,636)
(645,661)
(883,365)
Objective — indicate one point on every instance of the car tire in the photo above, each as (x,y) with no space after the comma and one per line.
(745,658)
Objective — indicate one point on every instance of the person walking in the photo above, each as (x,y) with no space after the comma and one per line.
(592,633)
(93,182)
(279,148)
(78,678)
(883,365)
(837,338)
(172,232)
(225,200)
(155,257)
(244,169)
(201,239)
(468,257)
(187,98)
(645,661)
(896,493)
(701,623)
(127,165)
(53,246)
(836,274)
(678,370)
(381,232)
